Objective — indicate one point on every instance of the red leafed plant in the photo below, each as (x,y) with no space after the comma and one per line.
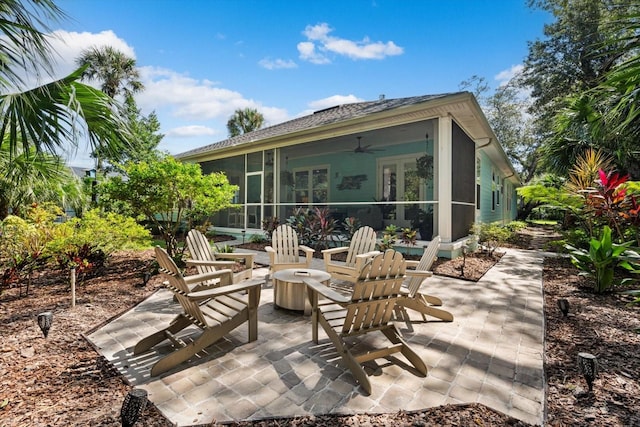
(610,202)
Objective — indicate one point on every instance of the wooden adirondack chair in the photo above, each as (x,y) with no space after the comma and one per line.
(205,260)
(216,311)
(284,251)
(360,249)
(369,308)
(412,298)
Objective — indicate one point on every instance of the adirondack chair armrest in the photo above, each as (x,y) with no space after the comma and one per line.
(235,256)
(332,251)
(368,255)
(196,262)
(307,250)
(203,277)
(272,254)
(419,273)
(326,291)
(245,285)
(411,263)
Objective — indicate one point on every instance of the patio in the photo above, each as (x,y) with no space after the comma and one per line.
(492,354)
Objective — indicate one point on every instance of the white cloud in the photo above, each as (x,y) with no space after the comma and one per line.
(179,100)
(328,102)
(191,131)
(191,99)
(275,64)
(504,76)
(308,52)
(334,100)
(320,43)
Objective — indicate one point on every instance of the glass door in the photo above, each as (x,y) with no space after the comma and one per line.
(399,183)
(253,199)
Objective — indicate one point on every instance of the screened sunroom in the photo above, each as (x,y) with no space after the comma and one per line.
(409,162)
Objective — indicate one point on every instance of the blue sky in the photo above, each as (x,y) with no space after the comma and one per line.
(201,60)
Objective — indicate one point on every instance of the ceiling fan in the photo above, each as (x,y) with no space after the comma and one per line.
(366,149)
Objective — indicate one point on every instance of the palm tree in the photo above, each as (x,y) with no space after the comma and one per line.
(54,115)
(244,121)
(117,74)
(116,71)
(37,177)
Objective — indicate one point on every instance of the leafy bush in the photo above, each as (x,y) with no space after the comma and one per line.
(258,238)
(85,243)
(270,224)
(224,249)
(602,258)
(409,236)
(515,226)
(491,235)
(351,225)
(389,238)
(314,226)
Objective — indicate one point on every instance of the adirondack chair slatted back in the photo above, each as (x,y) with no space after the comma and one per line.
(375,293)
(178,286)
(284,241)
(363,241)
(426,262)
(199,247)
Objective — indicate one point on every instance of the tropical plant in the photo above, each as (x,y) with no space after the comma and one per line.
(268,225)
(32,177)
(602,258)
(117,75)
(244,121)
(408,236)
(50,116)
(351,225)
(114,70)
(314,226)
(389,238)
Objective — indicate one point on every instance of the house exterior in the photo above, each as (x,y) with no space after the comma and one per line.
(429,162)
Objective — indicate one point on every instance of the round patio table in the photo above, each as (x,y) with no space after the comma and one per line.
(289,290)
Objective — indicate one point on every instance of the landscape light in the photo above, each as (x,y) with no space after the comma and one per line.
(563,305)
(145,278)
(134,403)
(588,366)
(44,321)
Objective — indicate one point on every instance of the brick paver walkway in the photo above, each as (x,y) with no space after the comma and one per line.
(491,353)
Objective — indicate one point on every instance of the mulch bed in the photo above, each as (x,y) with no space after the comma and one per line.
(61,380)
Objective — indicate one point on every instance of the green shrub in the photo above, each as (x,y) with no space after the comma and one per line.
(351,225)
(602,258)
(225,249)
(389,238)
(515,226)
(409,236)
(257,238)
(491,235)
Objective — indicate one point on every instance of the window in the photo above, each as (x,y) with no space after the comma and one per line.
(311,185)
(493,190)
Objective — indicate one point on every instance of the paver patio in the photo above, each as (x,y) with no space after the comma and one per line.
(492,353)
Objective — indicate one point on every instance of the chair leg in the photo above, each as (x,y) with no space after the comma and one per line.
(354,366)
(394,336)
(254,302)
